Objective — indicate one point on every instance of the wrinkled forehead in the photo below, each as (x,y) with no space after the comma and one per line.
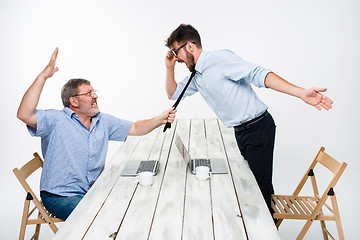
(85,88)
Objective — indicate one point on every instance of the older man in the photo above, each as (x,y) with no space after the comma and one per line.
(74,140)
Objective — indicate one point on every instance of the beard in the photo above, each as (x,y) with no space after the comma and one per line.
(190,61)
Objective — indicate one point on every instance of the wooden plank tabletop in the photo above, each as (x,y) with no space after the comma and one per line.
(177,205)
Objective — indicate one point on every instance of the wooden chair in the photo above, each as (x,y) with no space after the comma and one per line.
(43,215)
(310,208)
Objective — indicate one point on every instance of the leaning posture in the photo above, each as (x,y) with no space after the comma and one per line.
(224,81)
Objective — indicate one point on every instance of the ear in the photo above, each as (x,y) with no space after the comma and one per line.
(74,102)
(191,47)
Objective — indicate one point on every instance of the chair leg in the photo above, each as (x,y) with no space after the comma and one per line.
(337,217)
(278,222)
(304,229)
(37,229)
(24,219)
(323,228)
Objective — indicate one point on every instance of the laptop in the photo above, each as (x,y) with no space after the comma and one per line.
(132,168)
(216,165)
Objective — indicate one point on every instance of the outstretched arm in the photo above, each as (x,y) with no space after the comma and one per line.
(30,100)
(143,127)
(311,96)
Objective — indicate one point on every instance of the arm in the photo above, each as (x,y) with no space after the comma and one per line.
(143,127)
(30,100)
(171,84)
(311,96)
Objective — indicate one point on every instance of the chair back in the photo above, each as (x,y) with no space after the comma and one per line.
(328,162)
(25,171)
(43,217)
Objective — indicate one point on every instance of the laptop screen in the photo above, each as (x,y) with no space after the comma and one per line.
(182,149)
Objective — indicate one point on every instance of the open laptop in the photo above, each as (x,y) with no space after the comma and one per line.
(132,168)
(216,165)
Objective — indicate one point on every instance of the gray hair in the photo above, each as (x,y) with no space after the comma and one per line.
(70,89)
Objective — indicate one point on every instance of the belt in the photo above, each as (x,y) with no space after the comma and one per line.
(252,121)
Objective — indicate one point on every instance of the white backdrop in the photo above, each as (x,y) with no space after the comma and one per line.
(119,47)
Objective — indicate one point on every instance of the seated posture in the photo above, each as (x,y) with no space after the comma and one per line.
(74,140)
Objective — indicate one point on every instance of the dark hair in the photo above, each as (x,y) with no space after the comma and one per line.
(70,89)
(184,33)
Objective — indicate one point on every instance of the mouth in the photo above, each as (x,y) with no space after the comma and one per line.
(94,104)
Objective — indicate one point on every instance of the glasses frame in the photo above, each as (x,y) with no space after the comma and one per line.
(90,94)
(175,50)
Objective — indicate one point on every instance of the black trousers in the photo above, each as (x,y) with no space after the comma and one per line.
(256,143)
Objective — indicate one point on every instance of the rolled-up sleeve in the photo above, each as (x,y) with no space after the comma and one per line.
(192,89)
(238,70)
(44,123)
(118,128)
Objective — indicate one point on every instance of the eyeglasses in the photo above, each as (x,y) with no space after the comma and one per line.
(90,94)
(175,50)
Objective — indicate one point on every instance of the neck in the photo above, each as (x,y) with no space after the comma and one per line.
(197,53)
(85,120)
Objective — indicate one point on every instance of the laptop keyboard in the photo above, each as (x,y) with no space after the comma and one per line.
(146,166)
(202,162)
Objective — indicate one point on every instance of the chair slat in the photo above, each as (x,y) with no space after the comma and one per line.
(285,206)
(291,206)
(304,207)
(329,162)
(296,205)
(279,206)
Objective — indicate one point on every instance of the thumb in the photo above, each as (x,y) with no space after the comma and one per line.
(320,89)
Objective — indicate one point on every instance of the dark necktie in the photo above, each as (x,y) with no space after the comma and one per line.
(168,125)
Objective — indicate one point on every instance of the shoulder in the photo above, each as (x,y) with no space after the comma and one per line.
(223,56)
(50,113)
(110,119)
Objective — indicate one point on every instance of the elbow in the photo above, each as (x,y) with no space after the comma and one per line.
(170,94)
(20,116)
(27,119)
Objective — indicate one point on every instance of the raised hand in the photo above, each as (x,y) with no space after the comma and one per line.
(314,97)
(170,60)
(50,69)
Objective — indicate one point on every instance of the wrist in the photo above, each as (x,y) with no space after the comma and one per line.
(170,68)
(42,77)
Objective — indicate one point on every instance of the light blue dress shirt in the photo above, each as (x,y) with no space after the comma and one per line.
(223,79)
(74,156)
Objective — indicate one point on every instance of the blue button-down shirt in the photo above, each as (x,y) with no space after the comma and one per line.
(223,79)
(74,156)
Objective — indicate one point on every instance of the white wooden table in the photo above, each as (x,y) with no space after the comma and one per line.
(177,205)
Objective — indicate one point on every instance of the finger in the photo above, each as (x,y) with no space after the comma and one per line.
(54,57)
(320,89)
(55,53)
(327,99)
(326,106)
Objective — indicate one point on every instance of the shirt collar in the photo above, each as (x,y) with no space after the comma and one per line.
(72,114)
(199,67)
(69,112)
